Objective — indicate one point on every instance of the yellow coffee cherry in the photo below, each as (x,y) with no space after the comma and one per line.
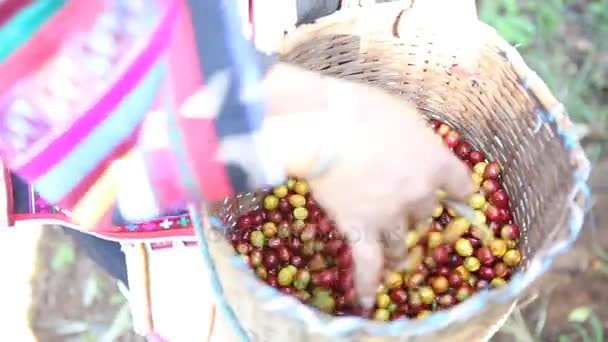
(480,168)
(477,201)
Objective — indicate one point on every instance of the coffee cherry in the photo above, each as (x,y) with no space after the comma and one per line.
(346,280)
(463,272)
(275,242)
(472,280)
(324,302)
(441,255)
(464,247)
(301,187)
(500,199)
(382,315)
(510,232)
(442,271)
(440,285)
(423,314)
(443,129)
(484,254)
(297,227)
(498,247)
(411,238)
(271,259)
(480,168)
(477,156)
(317,263)
(284,206)
(463,150)
(297,201)
(447,300)
(300,213)
(291,182)
(498,282)
(427,295)
(445,218)
(464,292)
(492,213)
(501,270)
(344,258)
(261,272)
(482,284)
(285,277)
(477,201)
(383,300)
(308,248)
(272,281)
(393,280)
(492,171)
(434,239)
(275,216)
(455,279)
(495,227)
(271,202)
(243,248)
(490,186)
(471,264)
(255,257)
(434,123)
(297,260)
(257,239)
(280,191)
(512,257)
(302,279)
(284,254)
(283,230)
(486,272)
(398,296)
(269,229)
(245,221)
(332,247)
(415,279)
(452,139)
(454,260)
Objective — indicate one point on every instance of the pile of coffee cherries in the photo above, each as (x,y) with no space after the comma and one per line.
(293,246)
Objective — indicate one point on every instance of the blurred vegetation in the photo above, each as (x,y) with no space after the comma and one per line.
(564,41)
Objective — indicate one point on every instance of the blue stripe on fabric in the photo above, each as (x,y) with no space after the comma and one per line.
(222,46)
(113,131)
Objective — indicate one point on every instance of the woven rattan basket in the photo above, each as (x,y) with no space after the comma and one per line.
(506,111)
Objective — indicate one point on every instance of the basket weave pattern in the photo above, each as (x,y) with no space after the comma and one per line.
(505,110)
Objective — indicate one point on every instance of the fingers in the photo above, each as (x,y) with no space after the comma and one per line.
(368,263)
(456,181)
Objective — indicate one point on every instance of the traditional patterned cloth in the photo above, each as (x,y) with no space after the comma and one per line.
(84,178)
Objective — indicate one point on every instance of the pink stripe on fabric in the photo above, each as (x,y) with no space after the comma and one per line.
(165,177)
(184,69)
(61,146)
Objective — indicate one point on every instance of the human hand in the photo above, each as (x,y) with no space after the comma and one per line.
(369,158)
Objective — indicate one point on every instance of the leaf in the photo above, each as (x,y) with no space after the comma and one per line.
(64,256)
(582,332)
(597,327)
(117,299)
(120,325)
(580,314)
(91,290)
(564,338)
(516,29)
(65,327)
